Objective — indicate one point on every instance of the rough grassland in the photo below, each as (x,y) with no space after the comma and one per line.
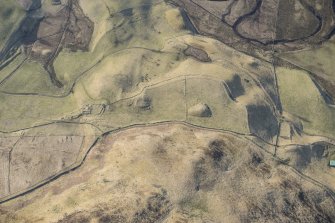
(319,60)
(301,98)
(10,18)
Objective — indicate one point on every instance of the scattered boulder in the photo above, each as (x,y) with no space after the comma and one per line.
(200,110)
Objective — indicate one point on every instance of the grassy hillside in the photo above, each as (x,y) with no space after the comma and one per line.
(10,16)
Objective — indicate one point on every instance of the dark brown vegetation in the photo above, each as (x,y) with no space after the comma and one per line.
(286,24)
(67,28)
